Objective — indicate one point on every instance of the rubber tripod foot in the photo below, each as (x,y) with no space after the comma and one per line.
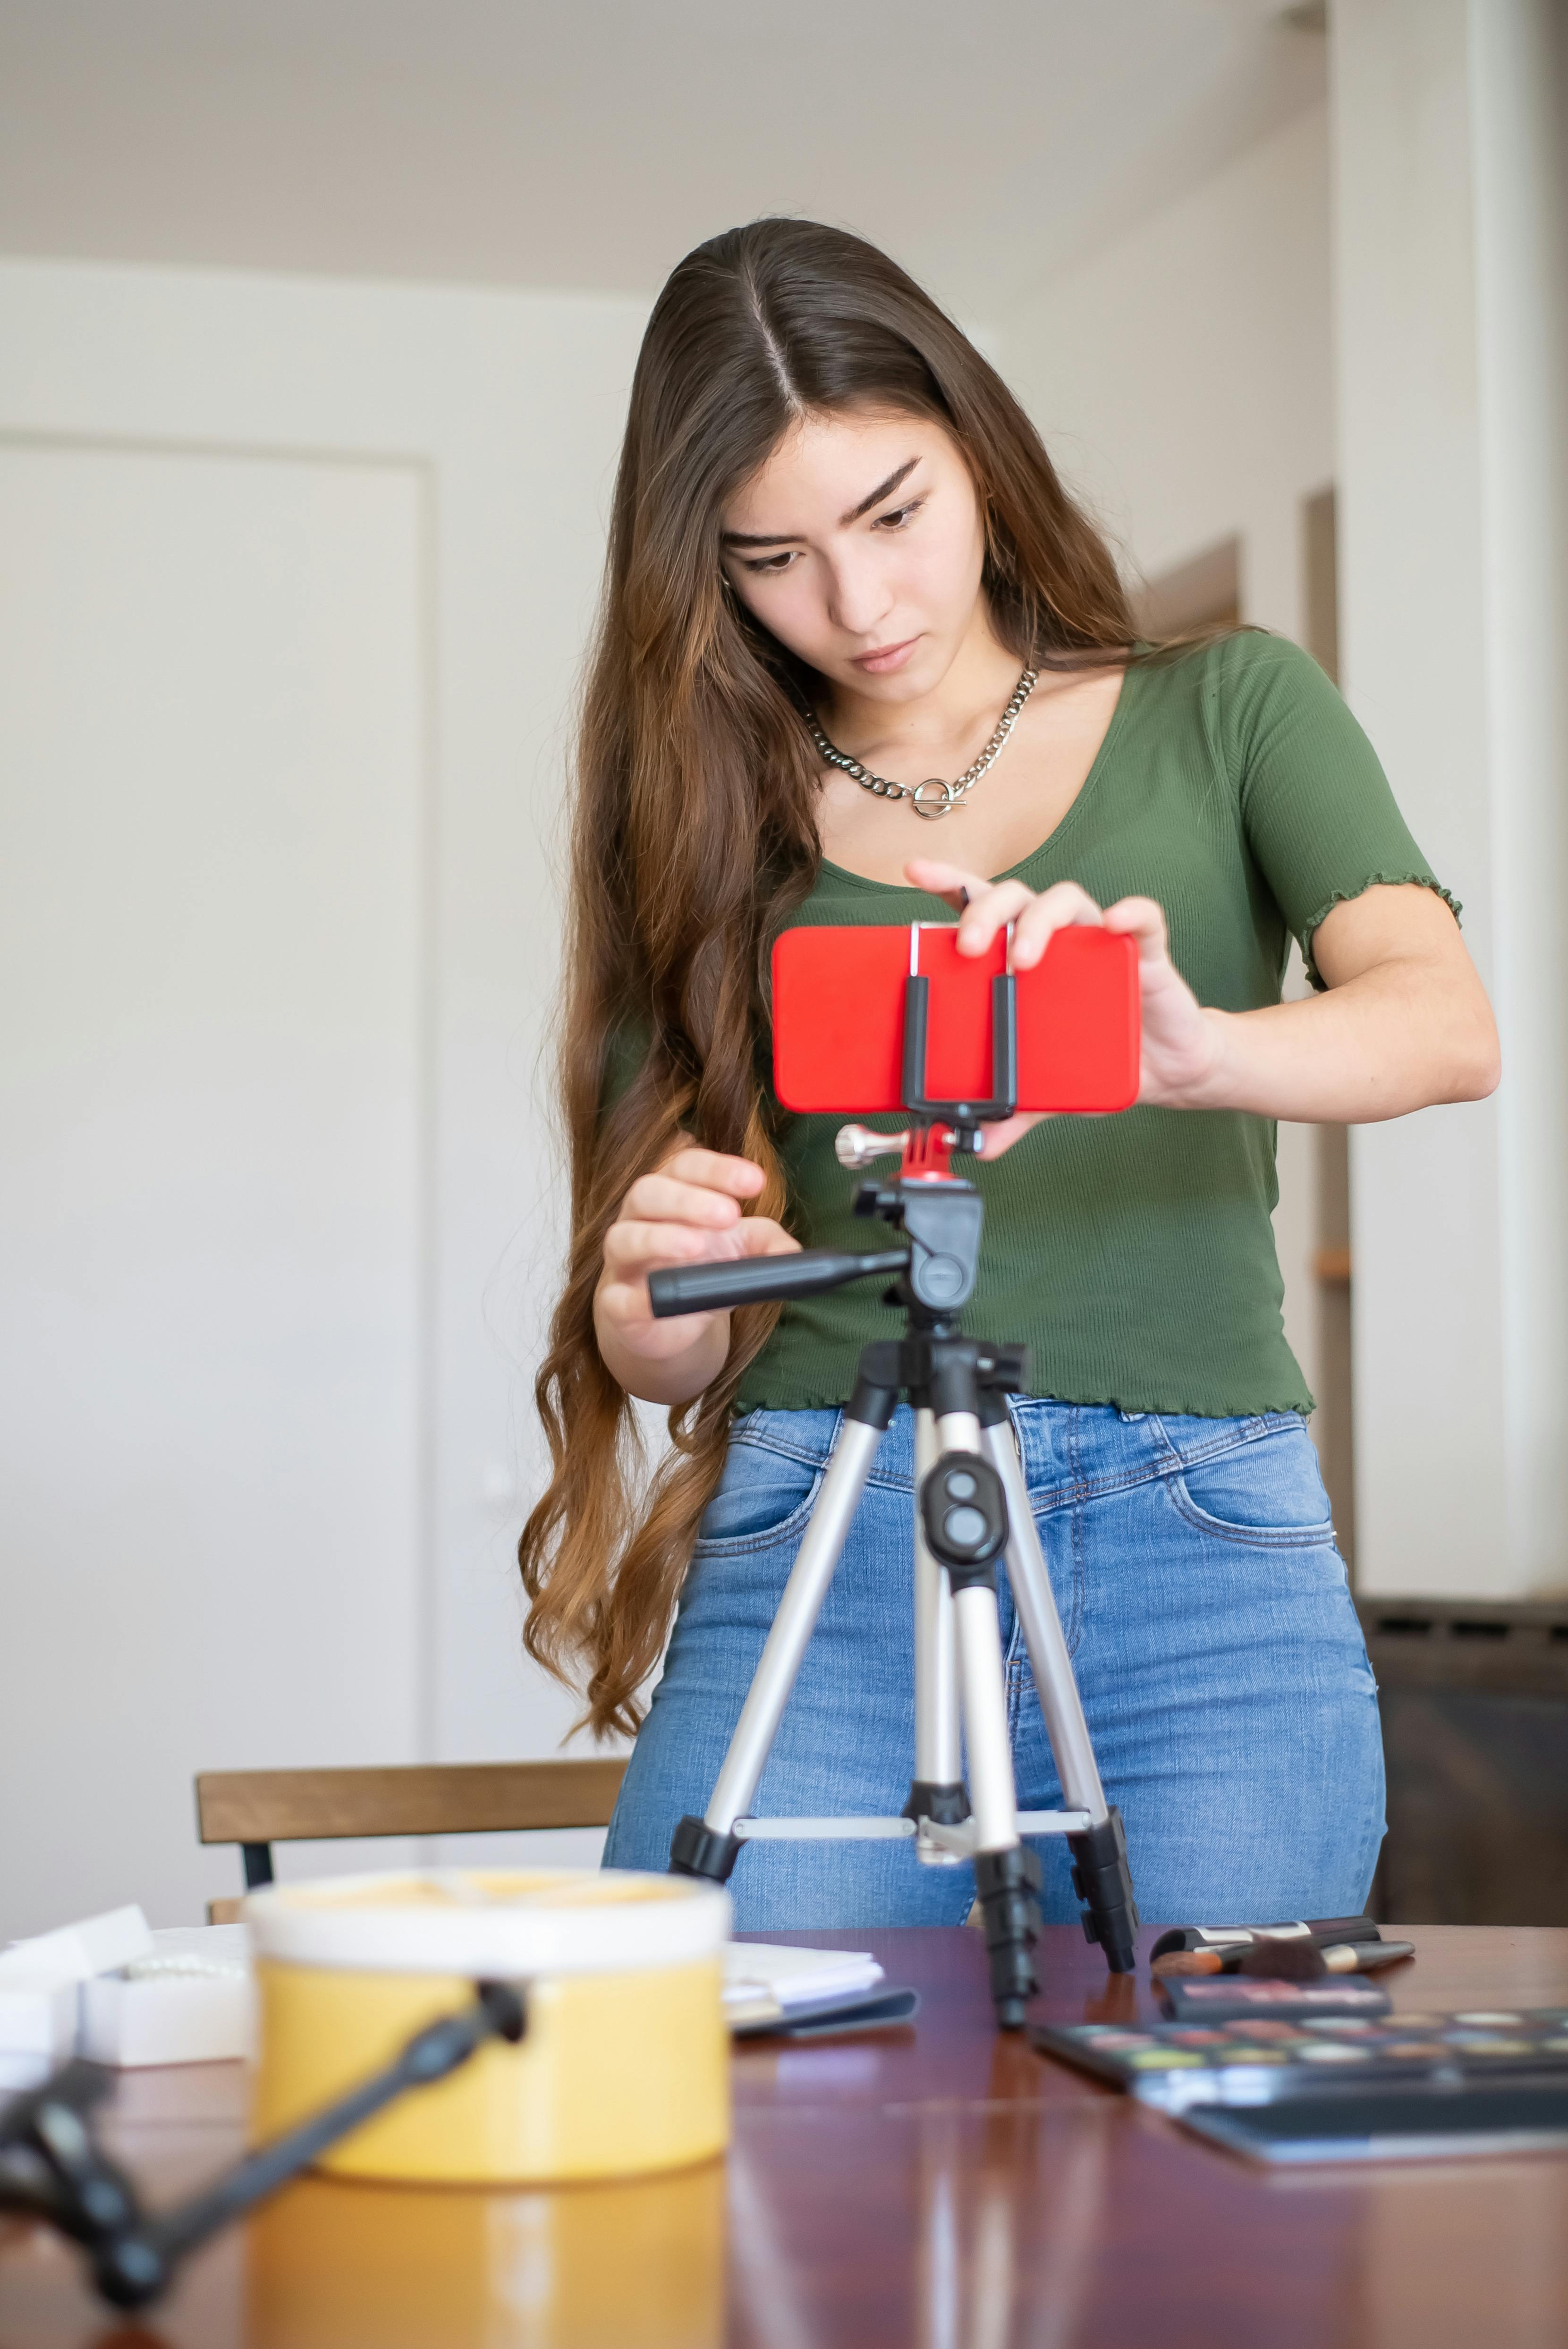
(1006,1883)
(697,1849)
(1103,1882)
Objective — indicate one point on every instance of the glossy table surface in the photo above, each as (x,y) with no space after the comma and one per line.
(938,2188)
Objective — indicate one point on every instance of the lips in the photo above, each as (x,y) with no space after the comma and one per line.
(886,658)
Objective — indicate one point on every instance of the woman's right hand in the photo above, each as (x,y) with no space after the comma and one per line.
(688,1211)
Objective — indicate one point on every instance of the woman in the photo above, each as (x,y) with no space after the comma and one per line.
(839,551)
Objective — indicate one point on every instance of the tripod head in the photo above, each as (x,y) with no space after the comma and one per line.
(936,1212)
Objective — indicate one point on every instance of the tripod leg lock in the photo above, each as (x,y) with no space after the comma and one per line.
(1007,1883)
(1103,1882)
(945,1806)
(697,1849)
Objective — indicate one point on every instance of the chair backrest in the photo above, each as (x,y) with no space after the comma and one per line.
(256,1809)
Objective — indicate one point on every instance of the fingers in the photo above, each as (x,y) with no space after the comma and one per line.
(987,906)
(741,1179)
(989,912)
(632,1247)
(1062,909)
(949,881)
(663,1199)
(686,1211)
(761,1235)
(1002,1136)
(984,907)
(1142,919)
(703,1187)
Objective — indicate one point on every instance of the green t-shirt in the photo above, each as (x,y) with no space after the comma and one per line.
(1134,1255)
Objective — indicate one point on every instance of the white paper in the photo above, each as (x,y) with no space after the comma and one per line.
(795,1977)
(94,1945)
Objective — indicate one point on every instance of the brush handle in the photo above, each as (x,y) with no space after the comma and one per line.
(1366,1957)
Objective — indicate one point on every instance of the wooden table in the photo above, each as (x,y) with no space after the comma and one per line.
(937,2188)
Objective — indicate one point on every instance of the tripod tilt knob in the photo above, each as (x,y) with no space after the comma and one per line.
(856,1145)
(963,1509)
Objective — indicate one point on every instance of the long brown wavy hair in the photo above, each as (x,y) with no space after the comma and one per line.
(694,835)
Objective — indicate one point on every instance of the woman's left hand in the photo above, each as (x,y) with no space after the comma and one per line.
(1182,1043)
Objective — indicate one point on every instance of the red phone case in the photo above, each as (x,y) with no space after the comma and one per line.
(837,1019)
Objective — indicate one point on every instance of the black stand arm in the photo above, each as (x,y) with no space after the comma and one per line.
(51,2167)
(759,1280)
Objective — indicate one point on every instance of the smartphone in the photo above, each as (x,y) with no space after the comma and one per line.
(838,1018)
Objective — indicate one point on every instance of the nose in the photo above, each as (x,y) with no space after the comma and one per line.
(858,596)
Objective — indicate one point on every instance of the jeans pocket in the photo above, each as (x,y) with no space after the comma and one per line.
(763,1497)
(1266,1492)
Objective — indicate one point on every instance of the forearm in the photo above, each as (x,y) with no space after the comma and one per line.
(1396,1038)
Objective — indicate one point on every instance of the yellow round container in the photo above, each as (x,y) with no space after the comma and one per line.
(624,2067)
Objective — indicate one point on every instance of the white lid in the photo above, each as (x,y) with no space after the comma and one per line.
(492,1924)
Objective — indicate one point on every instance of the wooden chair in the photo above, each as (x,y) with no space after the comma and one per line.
(256,1809)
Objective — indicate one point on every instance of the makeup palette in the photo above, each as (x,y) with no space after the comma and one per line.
(1269,2059)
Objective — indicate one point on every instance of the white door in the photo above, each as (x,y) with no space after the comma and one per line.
(294,581)
(211,797)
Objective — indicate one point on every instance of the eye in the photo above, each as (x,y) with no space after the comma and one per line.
(771,565)
(899,517)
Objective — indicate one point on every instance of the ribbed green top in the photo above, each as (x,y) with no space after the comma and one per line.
(1135,1254)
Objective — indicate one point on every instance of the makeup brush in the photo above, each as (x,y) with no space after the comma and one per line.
(1302,1962)
(1296,1959)
(1328,1932)
(1196,1962)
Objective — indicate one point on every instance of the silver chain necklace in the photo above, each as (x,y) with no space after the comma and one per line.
(923,797)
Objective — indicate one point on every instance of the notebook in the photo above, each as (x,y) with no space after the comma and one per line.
(770,1987)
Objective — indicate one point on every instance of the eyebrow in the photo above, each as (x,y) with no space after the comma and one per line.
(786,538)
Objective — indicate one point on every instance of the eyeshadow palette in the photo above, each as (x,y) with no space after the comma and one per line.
(1269,2061)
(1233,1998)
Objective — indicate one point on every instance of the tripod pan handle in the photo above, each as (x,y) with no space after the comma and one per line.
(707,1287)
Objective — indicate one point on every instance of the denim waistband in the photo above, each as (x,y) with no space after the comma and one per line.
(1070,1451)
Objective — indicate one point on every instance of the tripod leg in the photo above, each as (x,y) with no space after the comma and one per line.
(709,1846)
(964,1507)
(938,1791)
(1006,1875)
(994,1802)
(1101,1876)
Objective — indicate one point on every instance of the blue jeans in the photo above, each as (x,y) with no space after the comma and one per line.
(1217,1652)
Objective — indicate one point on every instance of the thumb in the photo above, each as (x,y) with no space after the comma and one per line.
(1002,1136)
(761,1235)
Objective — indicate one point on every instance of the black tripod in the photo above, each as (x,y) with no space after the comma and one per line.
(971,1506)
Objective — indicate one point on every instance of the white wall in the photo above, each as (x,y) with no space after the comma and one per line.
(1519,68)
(296,580)
(1449,190)
(1183,379)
